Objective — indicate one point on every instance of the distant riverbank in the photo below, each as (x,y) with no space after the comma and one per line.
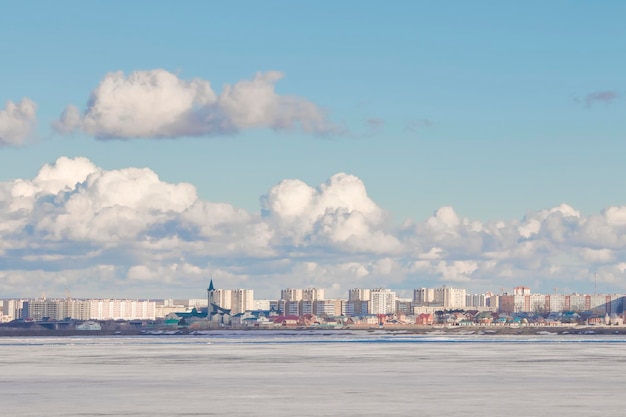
(416,330)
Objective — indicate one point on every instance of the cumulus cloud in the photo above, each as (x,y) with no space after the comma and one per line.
(337,213)
(80,226)
(158,104)
(606,97)
(17,122)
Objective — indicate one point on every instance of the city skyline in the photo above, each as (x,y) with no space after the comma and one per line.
(278,145)
(309,293)
(222,304)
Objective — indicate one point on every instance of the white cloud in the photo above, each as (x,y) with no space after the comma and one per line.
(254,103)
(615,216)
(70,223)
(529,228)
(338,213)
(444,217)
(158,104)
(63,175)
(17,122)
(597,255)
(69,121)
(433,253)
(164,274)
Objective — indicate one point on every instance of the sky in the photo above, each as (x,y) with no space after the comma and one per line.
(148,147)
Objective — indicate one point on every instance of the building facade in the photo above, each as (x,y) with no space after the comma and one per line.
(382,301)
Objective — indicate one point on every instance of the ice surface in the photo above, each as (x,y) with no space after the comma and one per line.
(313,374)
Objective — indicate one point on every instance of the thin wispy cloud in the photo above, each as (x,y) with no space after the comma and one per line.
(601,97)
(417,124)
(375,123)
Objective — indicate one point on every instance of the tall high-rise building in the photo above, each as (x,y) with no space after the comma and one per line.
(359,294)
(450,298)
(299,294)
(223,298)
(241,301)
(298,301)
(476,300)
(382,301)
(291,294)
(313,294)
(13,309)
(423,296)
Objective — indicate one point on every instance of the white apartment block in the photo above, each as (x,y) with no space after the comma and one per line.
(542,303)
(56,309)
(313,294)
(404,306)
(89,309)
(78,309)
(291,294)
(122,310)
(222,298)
(521,290)
(290,308)
(299,294)
(450,298)
(359,294)
(382,301)
(241,301)
(12,309)
(327,308)
(423,296)
(306,307)
(476,300)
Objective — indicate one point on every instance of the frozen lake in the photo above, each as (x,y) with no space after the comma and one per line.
(314,374)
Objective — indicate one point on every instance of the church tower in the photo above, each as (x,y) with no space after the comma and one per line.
(211,299)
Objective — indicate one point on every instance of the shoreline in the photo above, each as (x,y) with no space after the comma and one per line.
(397,330)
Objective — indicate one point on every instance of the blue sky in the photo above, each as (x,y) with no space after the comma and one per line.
(498,110)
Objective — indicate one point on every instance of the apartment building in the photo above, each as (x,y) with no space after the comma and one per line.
(327,308)
(13,309)
(235,301)
(359,294)
(542,303)
(299,301)
(241,301)
(113,309)
(450,298)
(61,309)
(382,301)
(423,296)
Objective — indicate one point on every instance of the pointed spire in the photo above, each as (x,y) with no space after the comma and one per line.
(211,287)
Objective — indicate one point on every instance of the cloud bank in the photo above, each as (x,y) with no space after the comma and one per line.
(126,232)
(17,122)
(156,103)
